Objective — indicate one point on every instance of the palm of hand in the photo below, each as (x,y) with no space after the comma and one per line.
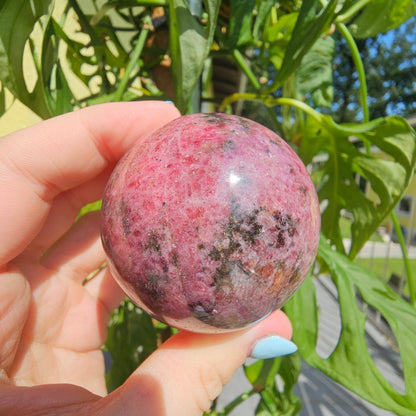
(66,320)
(51,325)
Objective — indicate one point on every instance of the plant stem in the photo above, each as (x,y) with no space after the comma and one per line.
(353,10)
(236,402)
(410,280)
(246,69)
(359,66)
(137,51)
(269,101)
(327,122)
(152,3)
(94,273)
(239,58)
(301,105)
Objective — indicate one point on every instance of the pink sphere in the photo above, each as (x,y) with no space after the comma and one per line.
(210,223)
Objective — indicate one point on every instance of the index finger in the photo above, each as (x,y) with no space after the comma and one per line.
(40,162)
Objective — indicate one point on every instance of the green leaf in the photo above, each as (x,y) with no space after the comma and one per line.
(264,7)
(190,43)
(240,23)
(314,75)
(350,363)
(109,5)
(268,404)
(277,36)
(262,373)
(341,161)
(309,27)
(120,58)
(290,370)
(17,20)
(100,48)
(61,99)
(93,206)
(131,339)
(395,137)
(50,74)
(380,16)
(2,100)
(74,56)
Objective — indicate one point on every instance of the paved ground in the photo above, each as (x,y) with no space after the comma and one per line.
(383,250)
(319,394)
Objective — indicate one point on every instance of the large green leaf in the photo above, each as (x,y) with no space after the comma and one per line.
(343,161)
(190,43)
(103,57)
(380,16)
(314,76)
(17,19)
(351,363)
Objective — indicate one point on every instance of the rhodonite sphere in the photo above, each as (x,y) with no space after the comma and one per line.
(210,223)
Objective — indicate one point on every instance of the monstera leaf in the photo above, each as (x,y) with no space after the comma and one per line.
(351,363)
(17,19)
(381,152)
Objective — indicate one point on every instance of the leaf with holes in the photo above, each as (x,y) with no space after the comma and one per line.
(17,19)
(343,159)
(350,363)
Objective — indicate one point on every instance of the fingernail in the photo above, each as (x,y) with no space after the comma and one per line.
(272,347)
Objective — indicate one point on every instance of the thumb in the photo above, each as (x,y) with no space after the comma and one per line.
(189,370)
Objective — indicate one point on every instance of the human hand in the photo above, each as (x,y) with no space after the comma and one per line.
(51,325)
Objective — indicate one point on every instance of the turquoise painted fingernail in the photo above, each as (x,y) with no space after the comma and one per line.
(272,347)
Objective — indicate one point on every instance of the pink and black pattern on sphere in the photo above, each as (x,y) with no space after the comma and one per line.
(210,223)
